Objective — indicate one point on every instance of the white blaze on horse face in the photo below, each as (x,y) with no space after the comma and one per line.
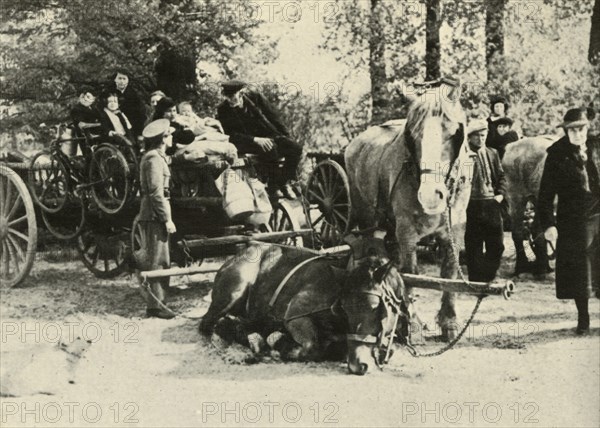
(432,191)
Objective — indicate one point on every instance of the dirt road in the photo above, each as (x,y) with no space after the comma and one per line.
(519,365)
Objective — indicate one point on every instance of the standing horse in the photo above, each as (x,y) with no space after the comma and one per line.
(415,181)
(523,165)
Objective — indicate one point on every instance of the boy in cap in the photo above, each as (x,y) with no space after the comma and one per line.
(484,212)
(155,221)
(255,127)
(571,173)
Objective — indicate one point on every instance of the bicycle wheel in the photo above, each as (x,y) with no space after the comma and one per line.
(109,179)
(48,182)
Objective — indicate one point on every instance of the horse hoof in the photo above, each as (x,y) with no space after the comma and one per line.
(256,342)
(449,334)
(273,338)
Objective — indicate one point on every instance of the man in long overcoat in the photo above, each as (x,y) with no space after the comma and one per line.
(571,173)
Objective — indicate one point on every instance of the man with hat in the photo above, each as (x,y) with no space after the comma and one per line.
(255,127)
(571,173)
(504,135)
(154,218)
(484,233)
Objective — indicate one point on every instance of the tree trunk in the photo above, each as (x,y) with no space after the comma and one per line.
(594,52)
(432,39)
(379,93)
(494,36)
(175,74)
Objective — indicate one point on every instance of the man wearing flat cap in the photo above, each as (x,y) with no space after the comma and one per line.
(571,173)
(484,233)
(155,221)
(255,127)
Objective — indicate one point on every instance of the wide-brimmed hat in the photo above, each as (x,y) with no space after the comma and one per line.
(232,86)
(504,121)
(476,126)
(575,117)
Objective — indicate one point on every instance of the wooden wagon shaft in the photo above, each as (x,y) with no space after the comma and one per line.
(240,239)
(161,273)
(444,284)
(459,286)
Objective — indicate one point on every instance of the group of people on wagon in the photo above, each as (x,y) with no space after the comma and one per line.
(246,124)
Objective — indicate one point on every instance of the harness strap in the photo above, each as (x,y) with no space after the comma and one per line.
(285,280)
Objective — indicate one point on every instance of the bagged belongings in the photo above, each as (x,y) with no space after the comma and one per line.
(245,198)
(214,150)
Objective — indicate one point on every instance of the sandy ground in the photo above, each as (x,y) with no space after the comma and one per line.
(519,365)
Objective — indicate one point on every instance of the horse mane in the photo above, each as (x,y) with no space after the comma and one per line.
(432,105)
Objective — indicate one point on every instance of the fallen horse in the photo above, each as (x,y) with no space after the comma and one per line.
(349,304)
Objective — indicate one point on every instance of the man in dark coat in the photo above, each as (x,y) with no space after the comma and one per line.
(255,127)
(571,172)
(484,212)
(130,102)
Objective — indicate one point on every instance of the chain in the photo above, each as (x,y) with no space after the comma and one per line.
(188,255)
(450,345)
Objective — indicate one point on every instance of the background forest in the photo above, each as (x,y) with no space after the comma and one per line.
(544,55)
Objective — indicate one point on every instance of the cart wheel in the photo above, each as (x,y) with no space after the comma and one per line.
(126,148)
(104,252)
(48,182)
(138,242)
(67,223)
(284,219)
(109,177)
(18,229)
(328,190)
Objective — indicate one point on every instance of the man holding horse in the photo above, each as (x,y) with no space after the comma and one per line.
(571,173)
(484,212)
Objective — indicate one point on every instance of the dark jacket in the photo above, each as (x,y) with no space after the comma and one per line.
(81,113)
(497,172)
(499,142)
(577,185)
(132,105)
(154,186)
(106,125)
(256,118)
(181,135)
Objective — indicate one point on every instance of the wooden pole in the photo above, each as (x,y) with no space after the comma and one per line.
(240,239)
(459,286)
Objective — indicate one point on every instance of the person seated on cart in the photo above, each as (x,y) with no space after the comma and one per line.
(130,101)
(155,219)
(208,140)
(84,114)
(114,123)
(205,125)
(504,135)
(255,127)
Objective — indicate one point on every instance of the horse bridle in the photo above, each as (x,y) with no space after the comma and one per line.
(387,298)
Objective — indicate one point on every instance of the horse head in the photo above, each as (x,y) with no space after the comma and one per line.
(434,136)
(373,310)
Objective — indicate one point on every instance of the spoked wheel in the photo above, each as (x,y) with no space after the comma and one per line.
(18,230)
(328,197)
(284,219)
(48,182)
(109,179)
(68,222)
(104,250)
(138,242)
(127,149)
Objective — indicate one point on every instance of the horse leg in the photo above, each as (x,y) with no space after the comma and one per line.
(446,316)
(230,292)
(304,332)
